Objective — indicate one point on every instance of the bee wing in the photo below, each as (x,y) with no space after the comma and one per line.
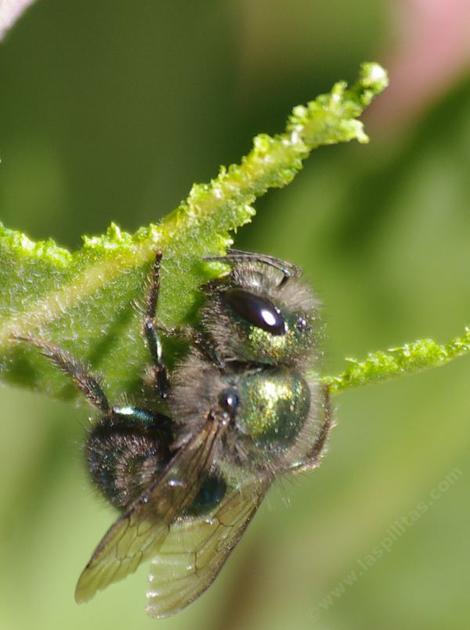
(140,531)
(196,549)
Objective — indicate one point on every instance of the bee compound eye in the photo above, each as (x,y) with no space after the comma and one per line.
(256,310)
(229,400)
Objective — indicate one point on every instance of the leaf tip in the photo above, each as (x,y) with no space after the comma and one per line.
(373,76)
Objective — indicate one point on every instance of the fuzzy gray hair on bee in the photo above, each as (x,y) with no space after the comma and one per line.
(261,312)
(241,411)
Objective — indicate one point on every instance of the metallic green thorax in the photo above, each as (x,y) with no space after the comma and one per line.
(274,404)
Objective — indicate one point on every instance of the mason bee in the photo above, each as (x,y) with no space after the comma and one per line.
(241,412)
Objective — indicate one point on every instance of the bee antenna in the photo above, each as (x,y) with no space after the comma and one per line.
(287,269)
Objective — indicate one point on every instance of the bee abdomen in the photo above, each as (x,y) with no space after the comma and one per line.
(124,456)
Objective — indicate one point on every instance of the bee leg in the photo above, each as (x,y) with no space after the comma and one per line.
(83,379)
(287,269)
(150,329)
(314,455)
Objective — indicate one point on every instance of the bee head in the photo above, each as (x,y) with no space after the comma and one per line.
(253,316)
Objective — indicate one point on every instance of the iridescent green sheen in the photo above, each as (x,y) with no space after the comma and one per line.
(274,404)
(260,345)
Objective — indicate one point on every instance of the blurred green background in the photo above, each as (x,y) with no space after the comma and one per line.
(109,111)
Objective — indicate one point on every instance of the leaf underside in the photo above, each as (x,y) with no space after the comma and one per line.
(85,301)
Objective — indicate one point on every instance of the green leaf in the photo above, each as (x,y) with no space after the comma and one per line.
(83,301)
(409,358)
